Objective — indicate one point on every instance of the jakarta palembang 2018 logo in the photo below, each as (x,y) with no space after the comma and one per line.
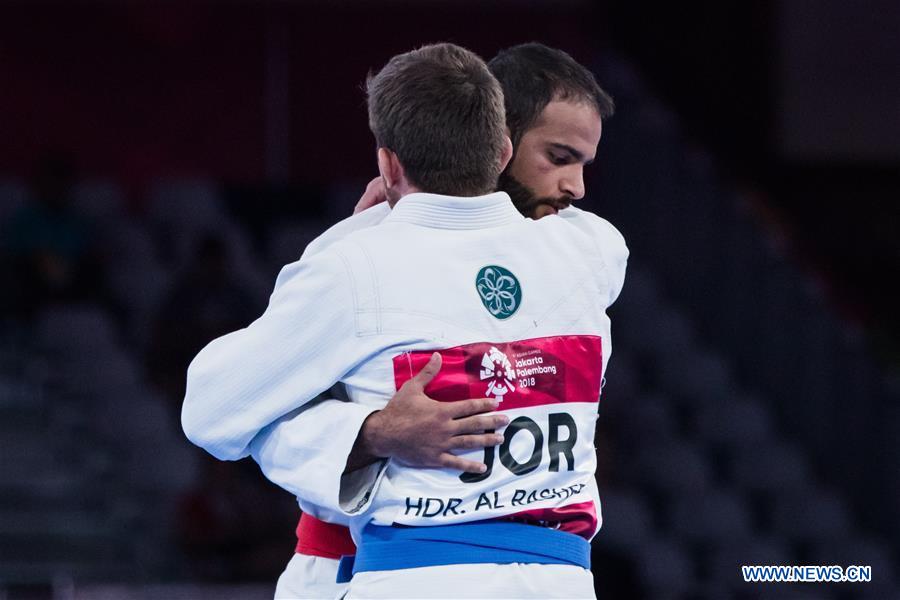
(499,290)
(496,368)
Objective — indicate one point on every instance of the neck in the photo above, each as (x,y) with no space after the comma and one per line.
(403,188)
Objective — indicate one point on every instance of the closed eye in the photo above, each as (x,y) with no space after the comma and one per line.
(563,154)
(559,159)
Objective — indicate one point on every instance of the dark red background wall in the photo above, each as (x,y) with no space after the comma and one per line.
(140,90)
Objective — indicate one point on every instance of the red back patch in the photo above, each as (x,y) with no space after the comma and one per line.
(534,372)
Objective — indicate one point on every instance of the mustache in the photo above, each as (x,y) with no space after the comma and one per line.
(558,203)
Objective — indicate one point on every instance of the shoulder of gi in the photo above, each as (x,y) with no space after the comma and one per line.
(363,220)
(609,241)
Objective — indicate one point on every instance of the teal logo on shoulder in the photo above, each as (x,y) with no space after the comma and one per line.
(499,290)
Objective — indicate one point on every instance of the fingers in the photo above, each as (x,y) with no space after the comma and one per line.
(480,423)
(374,194)
(473,442)
(464,408)
(451,461)
(428,372)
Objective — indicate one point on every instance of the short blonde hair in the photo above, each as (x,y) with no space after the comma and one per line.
(441,111)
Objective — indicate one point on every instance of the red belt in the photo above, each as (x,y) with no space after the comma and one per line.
(318,538)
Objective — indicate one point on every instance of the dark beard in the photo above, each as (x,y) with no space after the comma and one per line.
(523,198)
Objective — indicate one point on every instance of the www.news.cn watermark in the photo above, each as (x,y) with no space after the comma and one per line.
(806,574)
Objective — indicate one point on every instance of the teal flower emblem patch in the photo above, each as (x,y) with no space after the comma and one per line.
(499,290)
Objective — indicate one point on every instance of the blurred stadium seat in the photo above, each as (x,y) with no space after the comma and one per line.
(13,195)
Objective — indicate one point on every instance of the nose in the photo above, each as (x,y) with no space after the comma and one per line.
(573,185)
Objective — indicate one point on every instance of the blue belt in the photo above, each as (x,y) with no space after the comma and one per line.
(388,548)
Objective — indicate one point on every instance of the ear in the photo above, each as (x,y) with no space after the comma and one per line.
(390,168)
(507,153)
(384,166)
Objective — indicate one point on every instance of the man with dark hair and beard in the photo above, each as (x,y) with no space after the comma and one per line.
(554,112)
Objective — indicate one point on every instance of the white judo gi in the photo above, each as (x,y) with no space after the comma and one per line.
(517,308)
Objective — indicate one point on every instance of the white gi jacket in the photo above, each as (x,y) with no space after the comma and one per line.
(362,308)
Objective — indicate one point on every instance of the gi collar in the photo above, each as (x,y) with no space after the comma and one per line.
(454,212)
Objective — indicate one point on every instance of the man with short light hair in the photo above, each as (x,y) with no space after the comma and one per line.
(479,228)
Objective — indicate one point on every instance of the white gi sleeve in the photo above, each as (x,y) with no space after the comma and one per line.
(305,453)
(609,241)
(303,343)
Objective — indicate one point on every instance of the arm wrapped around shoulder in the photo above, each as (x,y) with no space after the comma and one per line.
(301,345)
